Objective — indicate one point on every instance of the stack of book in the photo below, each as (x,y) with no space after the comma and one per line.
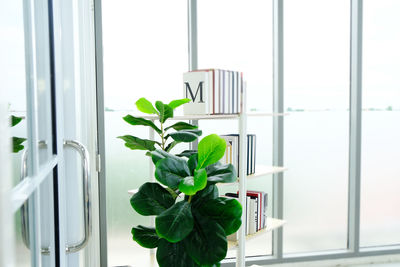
(232,154)
(256,216)
(212,91)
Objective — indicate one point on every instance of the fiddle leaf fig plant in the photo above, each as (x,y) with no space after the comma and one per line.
(192,220)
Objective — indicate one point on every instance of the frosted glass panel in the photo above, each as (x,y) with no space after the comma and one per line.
(237,35)
(380,171)
(317,129)
(145,54)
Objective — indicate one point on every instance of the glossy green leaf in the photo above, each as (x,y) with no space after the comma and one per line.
(191,184)
(165,111)
(192,163)
(185,135)
(209,192)
(152,199)
(176,103)
(145,236)
(173,255)
(171,145)
(226,212)
(145,106)
(15,120)
(140,121)
(17,144)
(170,171)
(134,143)
(182,126)
(186,153)
(207,243)
(211,149)
(159,154)
(175,223)
(218,173)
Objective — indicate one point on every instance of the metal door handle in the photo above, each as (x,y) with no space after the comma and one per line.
(25,207)
(86,194)
(86,199)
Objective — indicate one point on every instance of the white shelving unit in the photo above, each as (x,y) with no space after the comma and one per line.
(261,170)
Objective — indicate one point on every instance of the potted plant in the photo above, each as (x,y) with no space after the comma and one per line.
(192,220)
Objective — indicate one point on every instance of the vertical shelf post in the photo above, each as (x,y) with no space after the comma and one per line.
(355,126)
(278,107)
(241,252)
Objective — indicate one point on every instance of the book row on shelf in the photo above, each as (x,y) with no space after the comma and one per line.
(256,215)
(232,153)
(212,91)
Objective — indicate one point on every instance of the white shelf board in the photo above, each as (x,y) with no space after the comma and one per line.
(217,116)
(133,191)
(261,170)
(272,224)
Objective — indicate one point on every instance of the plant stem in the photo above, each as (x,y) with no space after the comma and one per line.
(190,199)
(162,137)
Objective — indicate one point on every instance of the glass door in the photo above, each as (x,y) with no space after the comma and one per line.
(48,95)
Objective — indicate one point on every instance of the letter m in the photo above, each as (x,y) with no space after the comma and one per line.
(193,97)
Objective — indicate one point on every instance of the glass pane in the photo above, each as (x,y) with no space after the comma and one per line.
(237,35)
(380,171)
(317,129)
(241,40)
(145,57)
(12,80)
(21,238)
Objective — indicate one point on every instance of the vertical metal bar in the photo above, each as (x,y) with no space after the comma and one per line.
(192,48)
(7,239)
(59,123)
(355,126)
(32,122)
(241,252)
(101,131)
(278,107)
(152,179)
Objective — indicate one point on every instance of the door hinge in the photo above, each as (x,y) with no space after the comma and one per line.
(98,163)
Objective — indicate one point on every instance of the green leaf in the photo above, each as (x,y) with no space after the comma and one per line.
(176,103)
(182,126)
(170,171)
(192,163)
(145,106)
(218,173)
(171,145)
(186,153)
(145,236)
(175,223)
(15,120)
(159,154)
(140,121)
(226,212)
(209,192)
(165,111)
(185,135)
(211,149)
(134,143)
(207,243)
(151,199)
(173,255)
(191,184)
(17,144)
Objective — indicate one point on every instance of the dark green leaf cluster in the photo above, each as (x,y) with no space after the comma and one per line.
(192,221)
(17,141)
(184,132)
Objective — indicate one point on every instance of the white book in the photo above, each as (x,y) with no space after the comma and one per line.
(229,93)
(249,216)
(253,216)
(197,86)
(231,153)
(217,83)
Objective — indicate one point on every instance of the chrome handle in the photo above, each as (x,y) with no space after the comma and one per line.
(25,207)
(86,194)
